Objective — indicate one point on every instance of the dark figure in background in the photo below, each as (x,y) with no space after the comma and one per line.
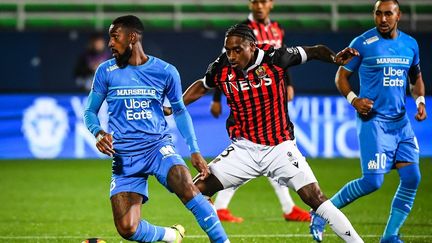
(85,68)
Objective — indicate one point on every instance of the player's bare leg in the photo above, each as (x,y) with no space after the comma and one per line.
(312,195)
(126,207)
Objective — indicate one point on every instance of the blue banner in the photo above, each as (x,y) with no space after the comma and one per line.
(51,126)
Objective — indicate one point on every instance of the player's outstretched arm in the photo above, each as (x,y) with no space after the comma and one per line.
(193,92)
(323,53)
(417,92)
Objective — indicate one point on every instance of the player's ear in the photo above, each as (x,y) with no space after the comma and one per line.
(133,37)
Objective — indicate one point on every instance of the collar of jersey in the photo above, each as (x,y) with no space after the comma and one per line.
(257,61)
(149,61)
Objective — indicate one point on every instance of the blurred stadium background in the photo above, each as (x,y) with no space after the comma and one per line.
(63,197)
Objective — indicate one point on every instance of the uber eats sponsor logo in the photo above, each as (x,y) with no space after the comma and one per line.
(393,77)
(138,109)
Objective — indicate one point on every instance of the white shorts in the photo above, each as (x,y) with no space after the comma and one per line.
(244,160)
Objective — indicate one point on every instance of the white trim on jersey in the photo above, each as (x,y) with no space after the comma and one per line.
(258,60)
(204,83)
(302,54)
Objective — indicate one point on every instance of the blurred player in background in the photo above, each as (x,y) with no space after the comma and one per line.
(266,32)
(252,79)
(85,68)
(388,62)
(134,85)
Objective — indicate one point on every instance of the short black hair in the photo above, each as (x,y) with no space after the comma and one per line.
(131,22)
(383,1)
(241,30)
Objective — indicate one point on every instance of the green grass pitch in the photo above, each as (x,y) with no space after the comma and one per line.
(67,201)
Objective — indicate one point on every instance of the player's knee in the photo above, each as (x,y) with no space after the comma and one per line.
(371,182)
(410,175)
(126,229)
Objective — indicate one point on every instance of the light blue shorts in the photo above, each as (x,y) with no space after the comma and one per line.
(382,144)
(130,173)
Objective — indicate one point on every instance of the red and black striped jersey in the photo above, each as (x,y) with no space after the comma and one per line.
(271,33)
(257,96)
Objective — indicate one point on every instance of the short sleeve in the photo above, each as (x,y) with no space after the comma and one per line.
(416,58)
(289,56)
(354,64)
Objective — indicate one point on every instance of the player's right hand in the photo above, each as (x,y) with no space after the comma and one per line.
(167,111)
(104,143)
(201,165)
(363,105)
(216,108)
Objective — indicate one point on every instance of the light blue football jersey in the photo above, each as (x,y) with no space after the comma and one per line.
(135,96)
(383,67)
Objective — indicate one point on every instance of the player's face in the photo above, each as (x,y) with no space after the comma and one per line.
(120,45)
(260,9)
(386,15)
(240,52)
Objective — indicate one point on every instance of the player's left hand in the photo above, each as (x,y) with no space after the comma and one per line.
(290,93)
(343,57)
(421,112)
(201,165)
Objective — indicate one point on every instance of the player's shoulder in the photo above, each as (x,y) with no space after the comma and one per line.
(406,38)
(220,62)
(108,66)
(162,65)
(368,36)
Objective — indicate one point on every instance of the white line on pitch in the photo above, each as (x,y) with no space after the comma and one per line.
(205,236)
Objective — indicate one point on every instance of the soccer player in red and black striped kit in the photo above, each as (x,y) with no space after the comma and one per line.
(252,79)
(270,32)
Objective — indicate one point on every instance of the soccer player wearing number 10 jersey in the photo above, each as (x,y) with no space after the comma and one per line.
(388,63)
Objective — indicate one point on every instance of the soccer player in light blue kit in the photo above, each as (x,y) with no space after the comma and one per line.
(388,62)
(134,85)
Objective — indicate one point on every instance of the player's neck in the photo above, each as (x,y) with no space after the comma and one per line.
(265,21)
(392,35)
(138,56)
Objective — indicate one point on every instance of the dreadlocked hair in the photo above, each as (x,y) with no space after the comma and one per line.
(241,30)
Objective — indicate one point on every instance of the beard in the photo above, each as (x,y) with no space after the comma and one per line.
(123,59)
(387,34)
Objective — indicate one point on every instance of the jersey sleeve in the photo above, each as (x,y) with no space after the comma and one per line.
(415,66)
(100,81)
(289,56)
(209,78)
(173,88)
(354,64)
